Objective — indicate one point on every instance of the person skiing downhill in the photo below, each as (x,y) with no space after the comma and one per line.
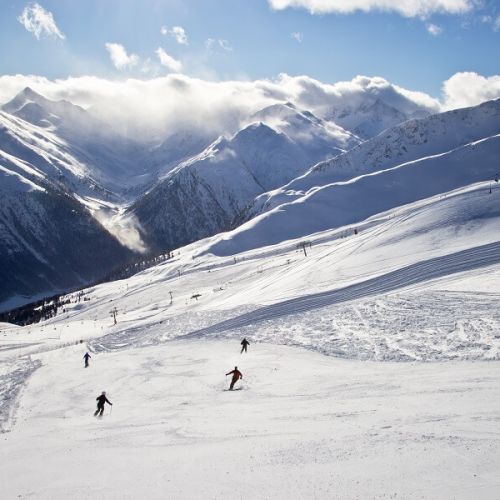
(244,344)
(100,404)
(86,357)
(236,376)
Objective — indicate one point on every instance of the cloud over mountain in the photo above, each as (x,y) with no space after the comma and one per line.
(143,106)
(468,88)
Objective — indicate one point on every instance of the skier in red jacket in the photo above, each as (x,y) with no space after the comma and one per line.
(236,376)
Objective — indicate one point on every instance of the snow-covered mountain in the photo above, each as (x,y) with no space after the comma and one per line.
(373,106)
(203,195)
(38,110)
(369,119)
(409,141)
(49,241)
(61,148)
(39,154)
(411,162)
(121,164)
(305,128)
(160,193)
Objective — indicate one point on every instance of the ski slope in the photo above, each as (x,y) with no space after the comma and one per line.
(372,370)
(302,426)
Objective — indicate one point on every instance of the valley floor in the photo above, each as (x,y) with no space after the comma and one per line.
(303,425)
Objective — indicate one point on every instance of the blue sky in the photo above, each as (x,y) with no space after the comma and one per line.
(248,39)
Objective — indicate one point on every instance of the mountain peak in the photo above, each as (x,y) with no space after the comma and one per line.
(29,93)
(26,96)
(38,110)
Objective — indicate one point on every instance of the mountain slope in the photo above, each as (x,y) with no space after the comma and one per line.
(412,140)
(344,203)
(203,195)
(122,165)
(50,242)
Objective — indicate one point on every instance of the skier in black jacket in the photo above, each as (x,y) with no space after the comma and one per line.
(100,404)
(86,357)
(244,345)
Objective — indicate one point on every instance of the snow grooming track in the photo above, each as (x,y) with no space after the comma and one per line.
(13,377)
(438,267)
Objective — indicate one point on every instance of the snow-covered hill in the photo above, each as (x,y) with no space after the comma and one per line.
(350,202)
(417,283)
(413,140)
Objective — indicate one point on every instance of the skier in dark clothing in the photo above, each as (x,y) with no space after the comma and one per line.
(86,357)
(244,344)
(100,404)
(236,376)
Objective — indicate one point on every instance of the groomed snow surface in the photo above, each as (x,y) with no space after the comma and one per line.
(372,371)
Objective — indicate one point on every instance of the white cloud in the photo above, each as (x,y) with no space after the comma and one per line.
(468,89)
(407,8)
(40,22)
(225,45)
(168,61)
(120,58)
(173,102)
(209,43)
(297,36)
(212,43)
(434,29)
(169,103)
(177,32)
(494,22)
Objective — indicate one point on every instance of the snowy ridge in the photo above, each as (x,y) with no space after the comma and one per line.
(342,203)
(412,140)
(38,110)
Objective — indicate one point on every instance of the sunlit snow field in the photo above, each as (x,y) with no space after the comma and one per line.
(372,371)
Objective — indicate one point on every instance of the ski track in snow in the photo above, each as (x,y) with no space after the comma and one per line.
(302,426)
(14,375)
(464,326)
(465,260)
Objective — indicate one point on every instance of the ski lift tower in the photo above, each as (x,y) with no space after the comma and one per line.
(113,313)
